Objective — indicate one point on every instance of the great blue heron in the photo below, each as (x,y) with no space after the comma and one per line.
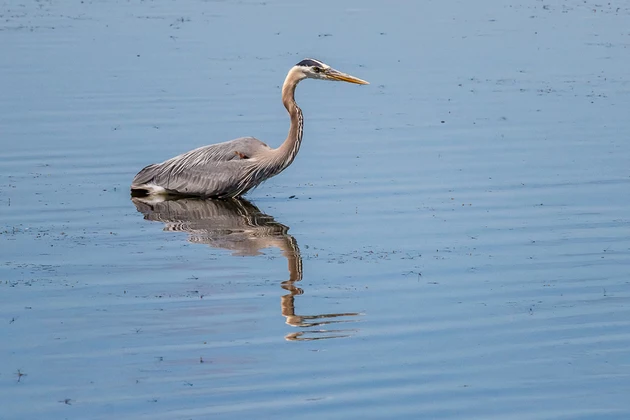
(232,168)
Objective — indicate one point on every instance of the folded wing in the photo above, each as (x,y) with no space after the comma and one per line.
(209,171)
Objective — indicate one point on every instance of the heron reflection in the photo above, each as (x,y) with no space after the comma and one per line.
(239,226)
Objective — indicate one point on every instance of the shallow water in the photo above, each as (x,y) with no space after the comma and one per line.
(451,242)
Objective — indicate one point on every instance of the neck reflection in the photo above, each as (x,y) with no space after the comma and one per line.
(239,226)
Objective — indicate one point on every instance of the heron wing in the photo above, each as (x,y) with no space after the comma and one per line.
(209,170)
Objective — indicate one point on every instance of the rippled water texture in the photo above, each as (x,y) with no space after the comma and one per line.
(452,241)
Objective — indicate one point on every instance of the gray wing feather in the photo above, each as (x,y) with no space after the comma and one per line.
(214,170)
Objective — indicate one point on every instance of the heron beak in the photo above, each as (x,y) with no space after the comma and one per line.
(343,77)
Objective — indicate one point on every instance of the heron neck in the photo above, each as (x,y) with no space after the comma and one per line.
(289,149)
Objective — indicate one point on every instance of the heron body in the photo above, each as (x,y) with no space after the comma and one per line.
(232,168)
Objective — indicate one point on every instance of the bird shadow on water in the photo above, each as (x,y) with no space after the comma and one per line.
(239,226)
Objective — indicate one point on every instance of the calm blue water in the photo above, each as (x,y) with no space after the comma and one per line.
(457,244)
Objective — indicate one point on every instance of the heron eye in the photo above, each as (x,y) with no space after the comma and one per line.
(316,69)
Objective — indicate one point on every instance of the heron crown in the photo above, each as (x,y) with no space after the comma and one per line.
(311,62)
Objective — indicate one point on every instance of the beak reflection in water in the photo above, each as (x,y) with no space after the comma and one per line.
(239,226)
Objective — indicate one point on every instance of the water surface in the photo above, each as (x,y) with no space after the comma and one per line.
(451,242)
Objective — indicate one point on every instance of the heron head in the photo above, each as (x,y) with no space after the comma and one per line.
(315,69)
